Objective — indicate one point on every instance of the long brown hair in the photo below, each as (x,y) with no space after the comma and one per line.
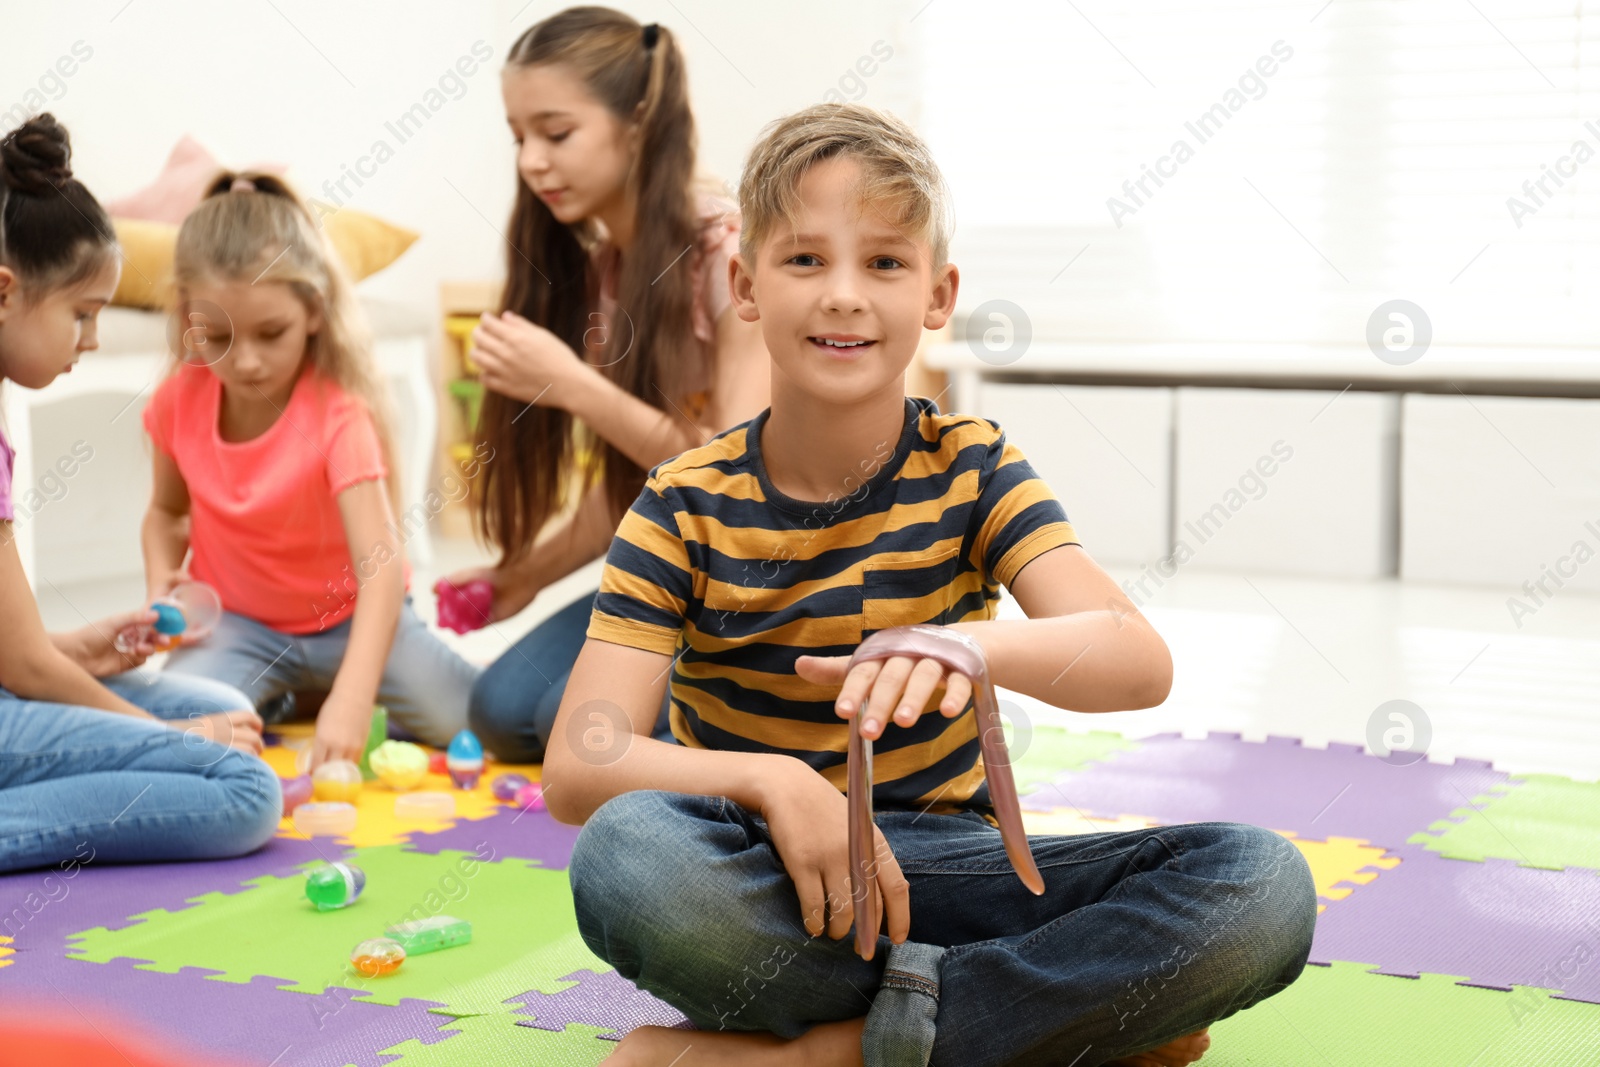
(639,76)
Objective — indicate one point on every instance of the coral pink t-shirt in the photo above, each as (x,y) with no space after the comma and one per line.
(264,525)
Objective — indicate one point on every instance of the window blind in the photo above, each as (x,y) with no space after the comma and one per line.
(1172,171)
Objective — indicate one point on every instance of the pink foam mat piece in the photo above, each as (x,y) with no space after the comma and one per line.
(1340,791)
(1493,923)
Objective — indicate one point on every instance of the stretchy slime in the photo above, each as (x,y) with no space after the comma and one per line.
(431,934)
(184,616)
(337,780)
(505,786)
(428,804)
(378,956)
(466,607)
(464,759)
(960,653)
(530,797)
(296,791)
(400,765)
(325,820)
(335,885)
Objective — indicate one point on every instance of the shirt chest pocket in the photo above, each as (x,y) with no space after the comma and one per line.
(909,592)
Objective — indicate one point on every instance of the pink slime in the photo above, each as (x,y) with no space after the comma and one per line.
(464,608)
(960,653)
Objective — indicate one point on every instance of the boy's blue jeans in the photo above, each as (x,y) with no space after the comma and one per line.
(94,786)
(1140,937)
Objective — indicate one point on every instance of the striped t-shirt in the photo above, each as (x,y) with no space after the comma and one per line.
(715,567)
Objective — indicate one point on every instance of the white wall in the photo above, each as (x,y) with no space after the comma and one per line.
(312,85)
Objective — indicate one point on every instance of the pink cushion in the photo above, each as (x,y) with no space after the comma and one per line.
(179,186)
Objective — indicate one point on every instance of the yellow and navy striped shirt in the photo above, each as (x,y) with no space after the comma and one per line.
(715,567)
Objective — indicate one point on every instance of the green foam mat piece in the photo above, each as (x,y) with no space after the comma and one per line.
(1540,821)
(492,1040)
(1344,1014)
(524,932)
(1052,751)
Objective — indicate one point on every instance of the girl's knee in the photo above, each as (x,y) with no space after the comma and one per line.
(253,800)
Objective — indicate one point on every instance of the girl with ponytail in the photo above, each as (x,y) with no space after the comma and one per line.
(93,766)
(615,341)
(274,465)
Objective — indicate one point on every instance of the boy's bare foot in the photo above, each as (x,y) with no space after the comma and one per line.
(824,1045)
(1177,1053)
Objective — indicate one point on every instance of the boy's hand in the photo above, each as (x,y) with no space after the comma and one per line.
(807,819)
(342,728)
(899,682)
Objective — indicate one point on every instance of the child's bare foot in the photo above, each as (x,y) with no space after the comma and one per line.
(1173,1054)
(824,1045)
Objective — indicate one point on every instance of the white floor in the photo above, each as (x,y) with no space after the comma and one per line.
(1256,655)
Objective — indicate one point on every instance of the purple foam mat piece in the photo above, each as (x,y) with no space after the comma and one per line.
(245,1023)
(1493,923)
(524,835)
(39,909)
(597,1000)
(1340,791)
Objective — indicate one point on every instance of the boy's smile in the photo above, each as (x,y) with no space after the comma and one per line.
(844,293)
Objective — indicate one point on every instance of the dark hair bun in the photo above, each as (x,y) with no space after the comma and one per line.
(35,158)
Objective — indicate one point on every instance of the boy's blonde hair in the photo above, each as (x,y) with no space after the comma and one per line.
(263,232)
(898,173)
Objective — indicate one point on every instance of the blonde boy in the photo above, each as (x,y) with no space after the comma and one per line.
(749,570)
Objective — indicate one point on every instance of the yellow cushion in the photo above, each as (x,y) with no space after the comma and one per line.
(365,243)
(147,247)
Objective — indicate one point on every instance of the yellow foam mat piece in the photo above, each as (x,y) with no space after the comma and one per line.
(1339,865)
(1340,860)
(376,823)
(6,952)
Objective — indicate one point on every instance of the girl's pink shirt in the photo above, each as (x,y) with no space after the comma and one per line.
(708,264)
(265,526)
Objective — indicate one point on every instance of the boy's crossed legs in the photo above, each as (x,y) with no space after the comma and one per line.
(1141,937)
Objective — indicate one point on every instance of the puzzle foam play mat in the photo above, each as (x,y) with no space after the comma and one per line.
(1459,919)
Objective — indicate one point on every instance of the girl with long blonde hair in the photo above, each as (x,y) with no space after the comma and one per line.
(274,465)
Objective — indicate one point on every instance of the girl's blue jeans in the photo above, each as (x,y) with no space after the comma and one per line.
(1141,936)
(91,786)
(425,683)
(515,700)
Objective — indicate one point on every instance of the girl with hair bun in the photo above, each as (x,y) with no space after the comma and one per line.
(93,766)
